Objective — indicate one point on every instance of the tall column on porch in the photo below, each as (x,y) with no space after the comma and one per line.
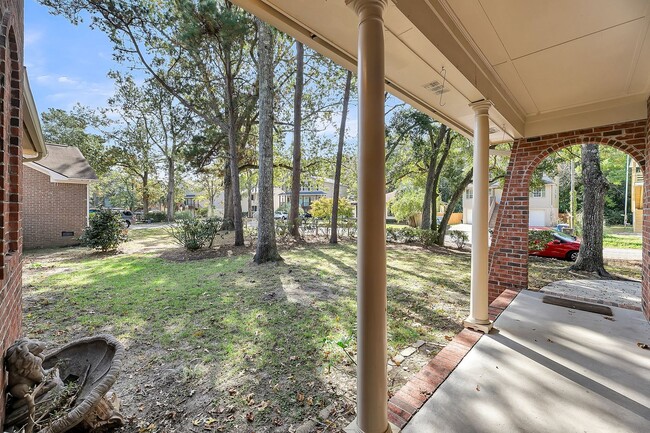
(371,257)
(478,315)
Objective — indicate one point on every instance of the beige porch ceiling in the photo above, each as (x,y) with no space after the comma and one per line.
(548,66)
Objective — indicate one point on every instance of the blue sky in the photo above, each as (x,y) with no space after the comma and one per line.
(66,64)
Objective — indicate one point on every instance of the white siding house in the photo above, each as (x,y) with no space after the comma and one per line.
(254,196)
(543,204)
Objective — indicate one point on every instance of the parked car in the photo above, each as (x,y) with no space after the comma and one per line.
(562,246)
(127,217)
(280,215)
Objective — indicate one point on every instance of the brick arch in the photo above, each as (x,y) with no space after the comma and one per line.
(508,259)
(635,151)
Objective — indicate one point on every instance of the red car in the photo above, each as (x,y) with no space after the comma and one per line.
(562,246)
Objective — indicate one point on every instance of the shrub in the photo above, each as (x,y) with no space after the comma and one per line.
(156,216)
(201,212)
(281,228)
(537,239)
(211,228)
(408,235)
(322,208)
(427,237)
(105,232)
(183,215)
(194,234)
(392,234)
(459,237)
(407,205)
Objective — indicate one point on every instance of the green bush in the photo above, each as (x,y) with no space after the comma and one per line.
(407,235)
(322,208)
(194,234)
(459,237)
(156,216)
(105,232)
(201,212)
(427,237)
(183,215)
(537,239)
(281,228)
(407,205)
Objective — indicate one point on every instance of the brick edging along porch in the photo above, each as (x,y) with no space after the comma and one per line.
(411,397)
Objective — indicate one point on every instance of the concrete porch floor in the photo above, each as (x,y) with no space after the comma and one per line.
(547,369)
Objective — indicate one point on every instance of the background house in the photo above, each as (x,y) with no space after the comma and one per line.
(55,201)
(314,190)
(543,203)
(254,201)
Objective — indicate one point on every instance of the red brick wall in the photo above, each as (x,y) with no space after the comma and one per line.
(509,251)
(51,208)
(11,61)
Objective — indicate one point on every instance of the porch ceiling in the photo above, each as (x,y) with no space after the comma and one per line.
(548,66)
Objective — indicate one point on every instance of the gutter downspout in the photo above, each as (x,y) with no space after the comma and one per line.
(31,122)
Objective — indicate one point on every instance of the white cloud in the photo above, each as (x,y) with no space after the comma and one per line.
(66,80)
(32,37)
(44,79)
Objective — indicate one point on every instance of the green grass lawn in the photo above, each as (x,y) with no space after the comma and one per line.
(630,241)
(223,344)
(236,332)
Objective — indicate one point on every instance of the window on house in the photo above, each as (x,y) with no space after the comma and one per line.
(469,193)
(538,192)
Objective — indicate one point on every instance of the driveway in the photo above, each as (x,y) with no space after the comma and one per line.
(622,254)
(608,253)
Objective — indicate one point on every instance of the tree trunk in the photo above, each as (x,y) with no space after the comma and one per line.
(436,179)
(145,194)
(234,153)
(228,215)
(267,250)
(590,257)
(428,191)
(426,205)
(339,161)
(171,169)
(453,201)
(294,211)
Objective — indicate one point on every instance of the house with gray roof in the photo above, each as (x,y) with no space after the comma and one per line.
(55,198)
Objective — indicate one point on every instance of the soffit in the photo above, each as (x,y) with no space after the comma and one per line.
(547,65)
(555,56)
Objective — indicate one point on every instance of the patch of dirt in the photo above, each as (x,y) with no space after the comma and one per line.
(180,254)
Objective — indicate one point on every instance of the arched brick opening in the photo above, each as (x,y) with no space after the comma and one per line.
(508,266)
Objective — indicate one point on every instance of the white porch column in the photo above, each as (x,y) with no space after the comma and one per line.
(478,315)
(371,256)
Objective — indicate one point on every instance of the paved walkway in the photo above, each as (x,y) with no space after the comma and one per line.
(547,369)
(622,254)
(626,294)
